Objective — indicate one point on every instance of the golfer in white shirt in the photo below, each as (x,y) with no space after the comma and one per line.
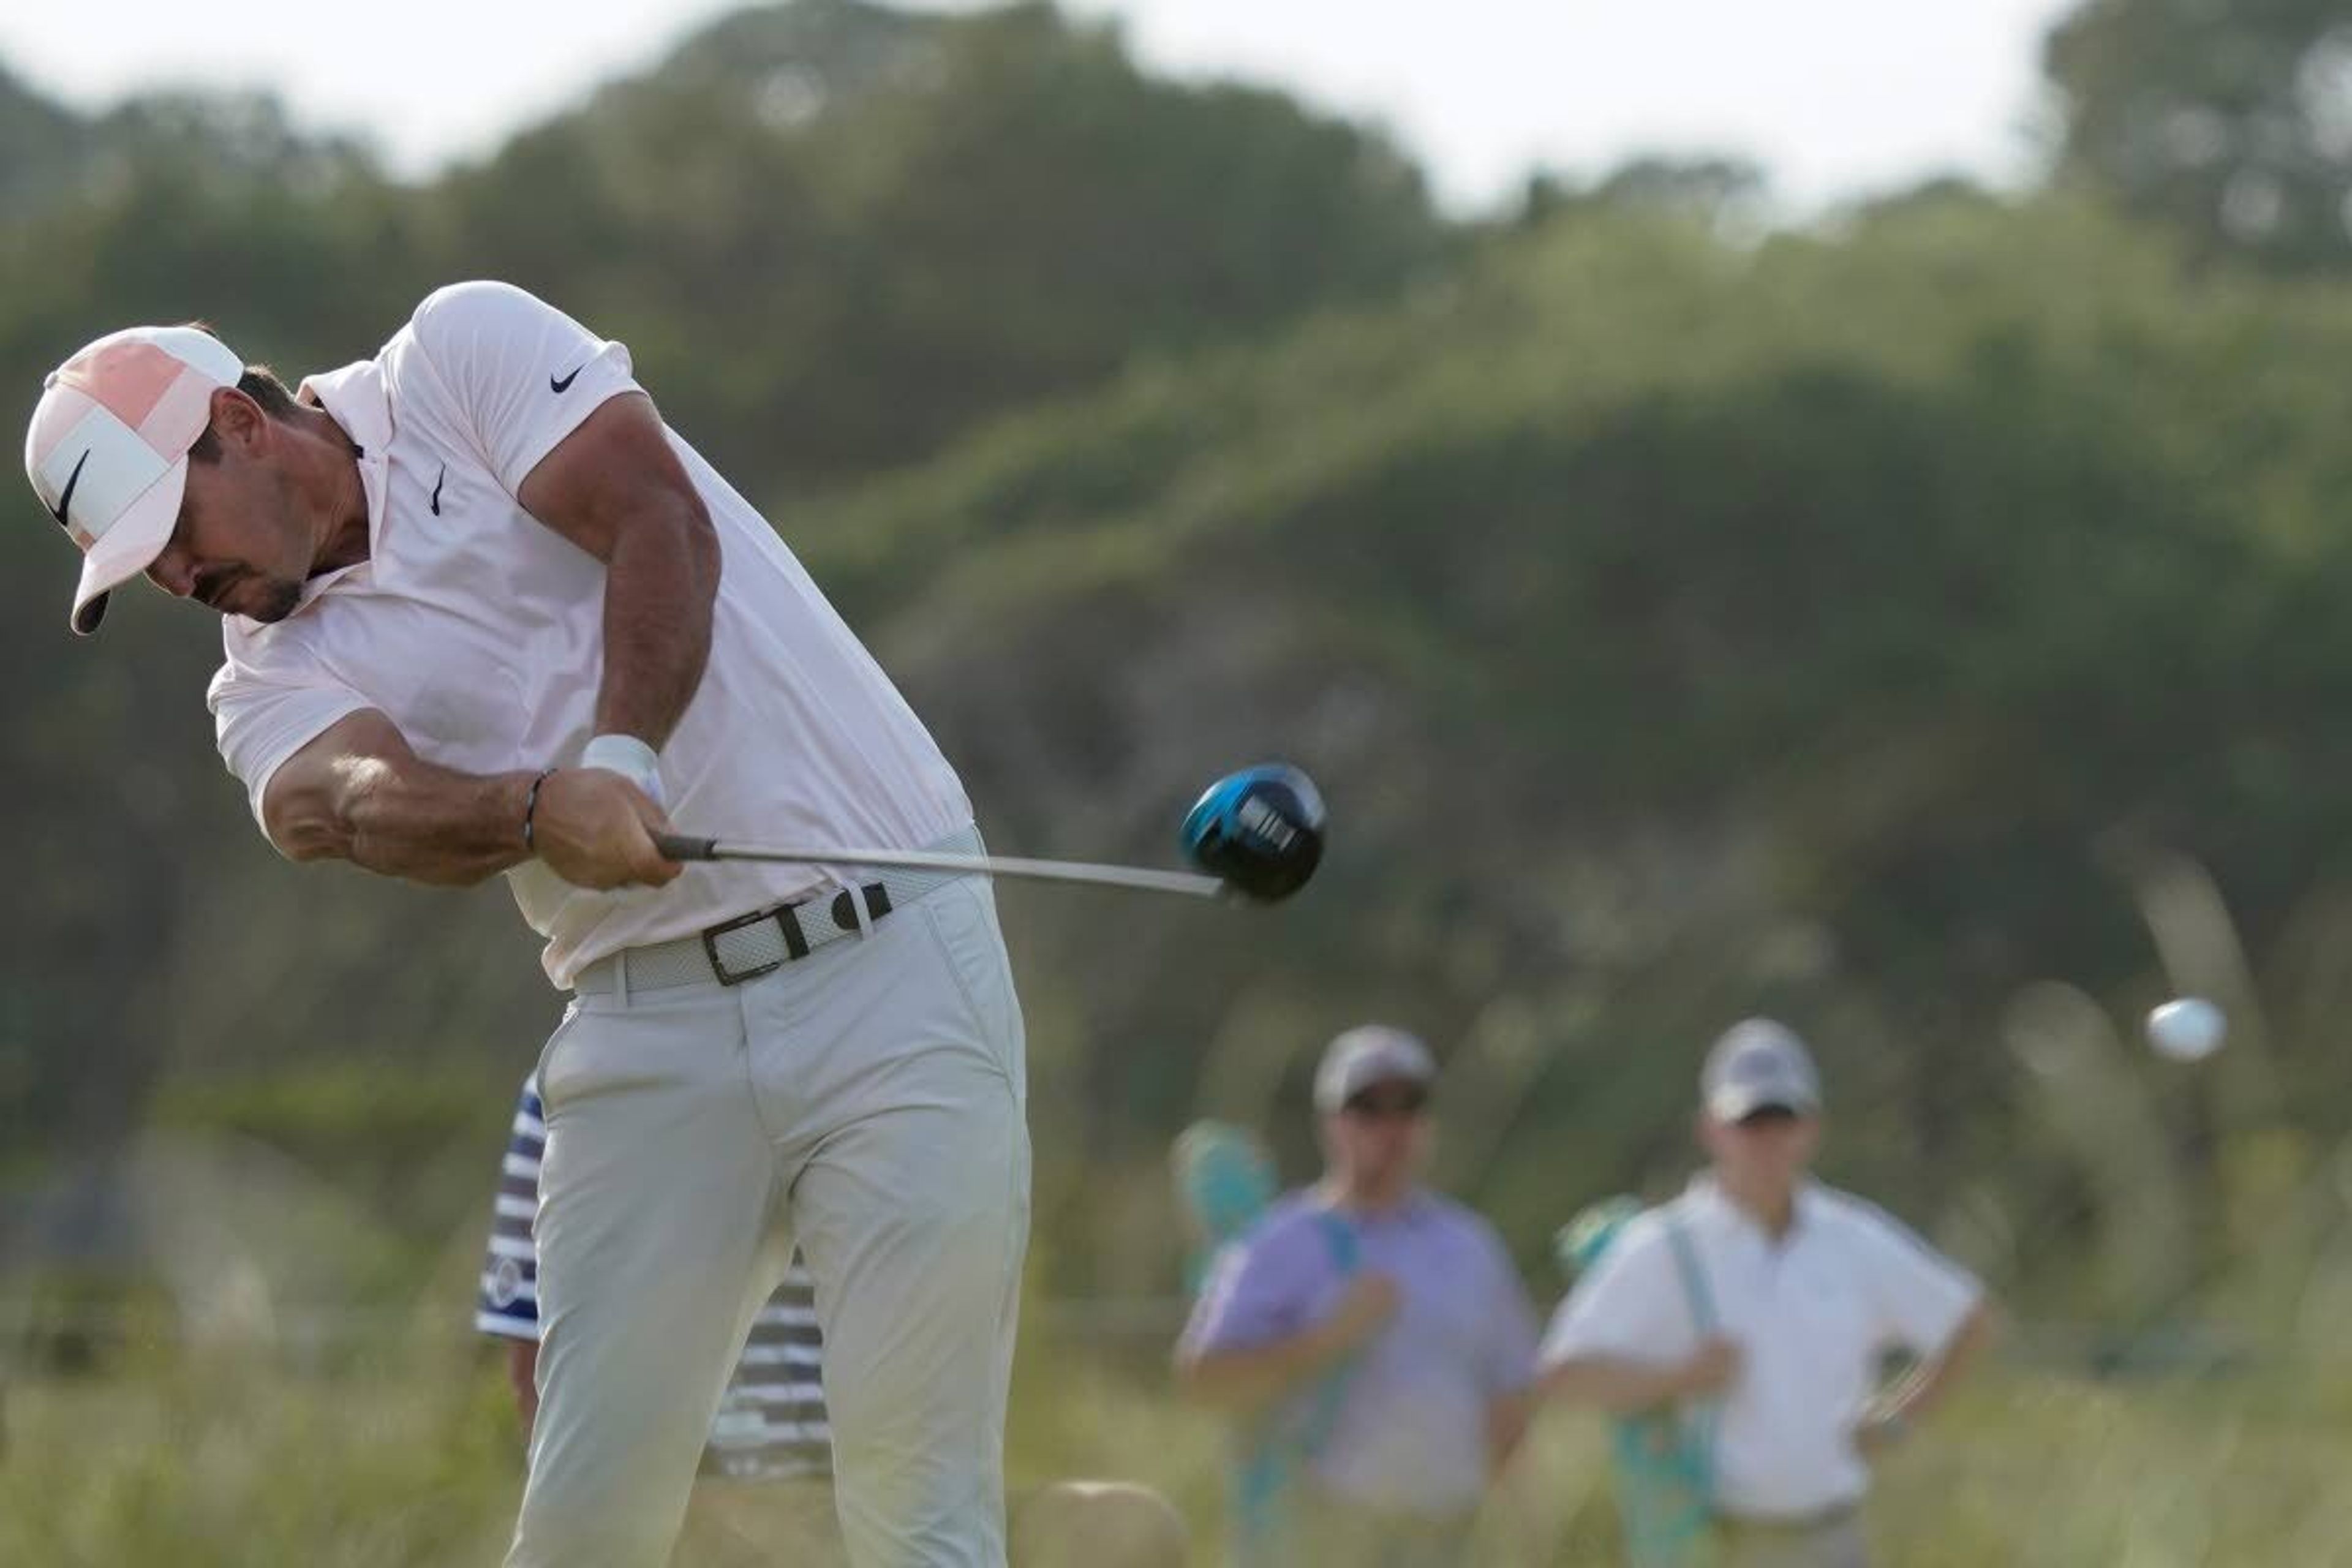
(485,613)
(1808,1289)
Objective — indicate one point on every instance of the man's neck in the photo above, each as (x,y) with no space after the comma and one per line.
(334,477)
(1772,1210)
(1384,1197)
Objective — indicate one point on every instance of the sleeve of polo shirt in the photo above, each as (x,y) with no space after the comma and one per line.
(1258,1292)
(521,373)
(1626,1309)
(264,711)
(1917,1296)
(1509,1363)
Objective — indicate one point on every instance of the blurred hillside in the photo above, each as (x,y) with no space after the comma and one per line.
(1868,624)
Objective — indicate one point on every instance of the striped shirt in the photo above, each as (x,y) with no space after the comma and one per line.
(771,1423)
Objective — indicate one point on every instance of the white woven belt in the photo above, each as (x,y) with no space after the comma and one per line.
(752,945)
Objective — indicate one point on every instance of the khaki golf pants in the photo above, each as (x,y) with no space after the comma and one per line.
(866,1101)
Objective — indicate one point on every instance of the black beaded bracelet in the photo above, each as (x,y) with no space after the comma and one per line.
(531,806)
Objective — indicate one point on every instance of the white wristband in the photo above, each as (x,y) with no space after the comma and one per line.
(629,757)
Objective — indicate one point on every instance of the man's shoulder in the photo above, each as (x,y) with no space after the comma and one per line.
(1653,1229)
(1636,1272)
(443,323)
(1294,1225)
(477,323)
(1649,1238)
(1850,1217)
(1299,1213)
(1836,1205)
(1456,1219)
(472,300)
(1451,1211)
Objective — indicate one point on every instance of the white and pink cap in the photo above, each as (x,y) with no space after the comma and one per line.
(107,449)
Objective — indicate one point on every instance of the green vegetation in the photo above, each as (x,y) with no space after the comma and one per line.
(1926,626)
(223,1464)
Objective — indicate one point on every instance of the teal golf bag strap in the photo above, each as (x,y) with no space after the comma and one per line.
(1271,1464)
(1704,1413)
(1347,1252)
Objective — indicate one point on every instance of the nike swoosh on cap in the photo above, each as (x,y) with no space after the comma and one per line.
(437,489)
(65,496)
(565,384)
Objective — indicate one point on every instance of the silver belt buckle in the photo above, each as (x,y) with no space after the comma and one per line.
(787,923)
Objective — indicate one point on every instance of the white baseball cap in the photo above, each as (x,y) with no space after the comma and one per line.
(1759,1064)
(107,447)
(1367,1055)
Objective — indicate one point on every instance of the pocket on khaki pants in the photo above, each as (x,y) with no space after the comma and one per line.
(962,918)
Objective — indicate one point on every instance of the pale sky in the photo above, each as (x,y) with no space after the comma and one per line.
(1835,97)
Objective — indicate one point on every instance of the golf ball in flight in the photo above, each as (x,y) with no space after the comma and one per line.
(2187,1029)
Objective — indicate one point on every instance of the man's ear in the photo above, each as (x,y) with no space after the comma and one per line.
(237,420)
(1703,1131)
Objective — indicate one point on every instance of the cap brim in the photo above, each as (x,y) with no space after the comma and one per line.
(1382,1073)
(130,547)
(1734,1101)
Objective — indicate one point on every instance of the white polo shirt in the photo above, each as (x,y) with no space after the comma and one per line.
(1814,1314)
(479,632)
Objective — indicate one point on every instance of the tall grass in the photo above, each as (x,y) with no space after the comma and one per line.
(408,1456)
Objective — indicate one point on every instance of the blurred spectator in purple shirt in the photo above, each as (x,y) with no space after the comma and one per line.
(1379,1327)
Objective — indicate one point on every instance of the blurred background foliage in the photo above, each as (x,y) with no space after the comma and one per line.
(1923,622)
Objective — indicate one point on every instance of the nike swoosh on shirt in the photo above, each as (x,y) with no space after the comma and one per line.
(64,497)
(566,384)
(437,489)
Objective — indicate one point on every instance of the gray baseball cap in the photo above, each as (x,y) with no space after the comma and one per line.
(1759,1064)
(1367,1055)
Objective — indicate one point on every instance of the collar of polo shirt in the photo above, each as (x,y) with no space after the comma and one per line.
(1707,1195)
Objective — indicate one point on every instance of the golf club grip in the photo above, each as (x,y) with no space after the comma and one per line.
(686,846)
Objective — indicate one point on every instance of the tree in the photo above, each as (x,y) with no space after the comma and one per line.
(2229,122)
(909,224)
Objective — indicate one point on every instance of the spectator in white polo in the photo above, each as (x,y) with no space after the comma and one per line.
(1800,1293)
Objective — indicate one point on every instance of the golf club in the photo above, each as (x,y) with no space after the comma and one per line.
(683,846)
(1259,832)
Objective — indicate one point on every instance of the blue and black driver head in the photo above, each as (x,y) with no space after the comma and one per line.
(1260,830)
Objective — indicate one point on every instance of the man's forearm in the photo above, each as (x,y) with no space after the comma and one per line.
(1619,1387)
(409,818)
(1930,1380)
(1507,1427)
(660,585)
(1250,1379)
(522,1376)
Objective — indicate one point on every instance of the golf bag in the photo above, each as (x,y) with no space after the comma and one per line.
(1663,1460)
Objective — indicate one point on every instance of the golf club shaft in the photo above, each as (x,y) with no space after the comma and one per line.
(685,847)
